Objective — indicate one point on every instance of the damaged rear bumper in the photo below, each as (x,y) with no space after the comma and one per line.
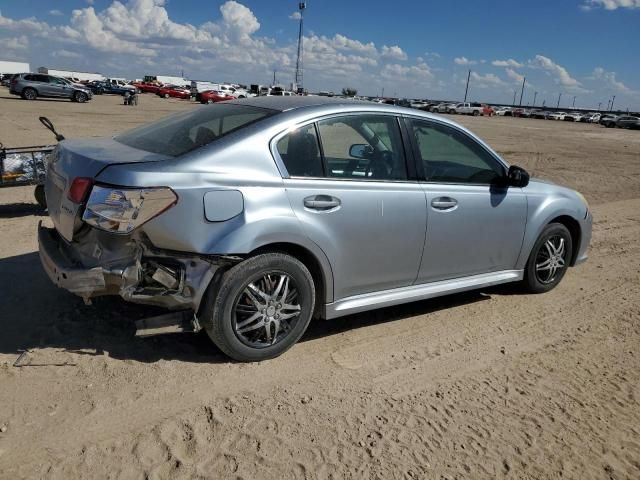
(137,274)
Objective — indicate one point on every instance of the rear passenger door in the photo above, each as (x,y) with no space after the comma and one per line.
(349,185)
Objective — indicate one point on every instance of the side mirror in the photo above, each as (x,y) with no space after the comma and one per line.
(360,150)
(517,177)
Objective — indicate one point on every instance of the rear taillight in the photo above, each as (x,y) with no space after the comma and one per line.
(79,189)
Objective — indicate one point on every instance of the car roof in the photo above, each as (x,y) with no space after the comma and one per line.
(285,103)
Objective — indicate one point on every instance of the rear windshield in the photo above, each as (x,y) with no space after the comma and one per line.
(182,133)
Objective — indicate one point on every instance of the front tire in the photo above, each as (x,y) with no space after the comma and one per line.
(80,97)
(166,95)
(261,308)
(549,259)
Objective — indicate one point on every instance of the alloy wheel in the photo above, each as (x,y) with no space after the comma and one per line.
(550,260)
(266,310)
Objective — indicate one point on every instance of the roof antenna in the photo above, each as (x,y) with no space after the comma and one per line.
(49,126)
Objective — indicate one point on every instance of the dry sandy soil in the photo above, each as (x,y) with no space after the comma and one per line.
(490,384)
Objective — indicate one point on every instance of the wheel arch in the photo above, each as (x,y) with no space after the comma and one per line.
(574,229)
(322,279)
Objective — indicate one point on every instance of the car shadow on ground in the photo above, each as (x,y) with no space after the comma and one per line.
(13,210)
(36,314)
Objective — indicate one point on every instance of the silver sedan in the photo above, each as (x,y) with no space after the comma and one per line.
(249,218)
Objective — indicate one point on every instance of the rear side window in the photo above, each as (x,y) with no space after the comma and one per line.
(300,152)
(182,133)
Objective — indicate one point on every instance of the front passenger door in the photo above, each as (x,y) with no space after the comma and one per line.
(474,224)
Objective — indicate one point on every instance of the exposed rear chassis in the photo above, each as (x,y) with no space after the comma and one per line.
(101,264)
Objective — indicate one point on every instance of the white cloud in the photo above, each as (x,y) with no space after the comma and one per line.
(397,72)
(506,63)
(16,43)
(464,61)
(394,52)
(513,75)
(558,72)
(295,16)
(611,4)
(55,13)
(610,81)
(487,80)
(65,54)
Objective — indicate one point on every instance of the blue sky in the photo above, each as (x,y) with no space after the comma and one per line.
(582,48)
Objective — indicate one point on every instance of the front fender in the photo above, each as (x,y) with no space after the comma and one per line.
(543,208)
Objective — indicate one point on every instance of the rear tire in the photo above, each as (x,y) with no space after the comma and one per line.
(476,113)
(549,259)
(250,290)
(40,197)
(29,94)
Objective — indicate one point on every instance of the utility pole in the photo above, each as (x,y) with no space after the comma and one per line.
(599,103)
(612,100)
(522,91)
(559,95)
(574,102)
(535,95)
(466,90)
(608,103)
(544,102)
(514,98)
(382,92)
(274,78)
(299,78)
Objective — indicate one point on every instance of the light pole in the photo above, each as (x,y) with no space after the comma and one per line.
(535,94)
(574,102)
(612,100)
(514,98)
(466,90)
(522,91)
(299,77)
(599,103)
(559,96)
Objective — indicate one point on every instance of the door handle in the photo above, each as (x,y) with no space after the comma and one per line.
(444,203)
(321,203)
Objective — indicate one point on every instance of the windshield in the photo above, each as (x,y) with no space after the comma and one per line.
(182,133)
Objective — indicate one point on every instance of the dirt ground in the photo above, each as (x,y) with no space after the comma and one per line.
(488,384)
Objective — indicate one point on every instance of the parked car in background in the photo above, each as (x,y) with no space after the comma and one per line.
(214,96)
(440,108)
(99,88)
(6,79)
(147,87)
(572,117)
(120,84)
(467,108)
(235,217)
(173,91)
(609,120)
(540,114)
(503,112)
(556,116)
(33,85)
(628,121)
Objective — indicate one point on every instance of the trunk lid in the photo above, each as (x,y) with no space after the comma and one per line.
(83,158)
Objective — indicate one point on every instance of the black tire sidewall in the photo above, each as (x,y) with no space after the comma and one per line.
(217,317)
(531,281)
(80,97)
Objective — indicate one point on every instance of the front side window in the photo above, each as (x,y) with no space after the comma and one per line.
(364,147)
(450,156)
(182,133)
